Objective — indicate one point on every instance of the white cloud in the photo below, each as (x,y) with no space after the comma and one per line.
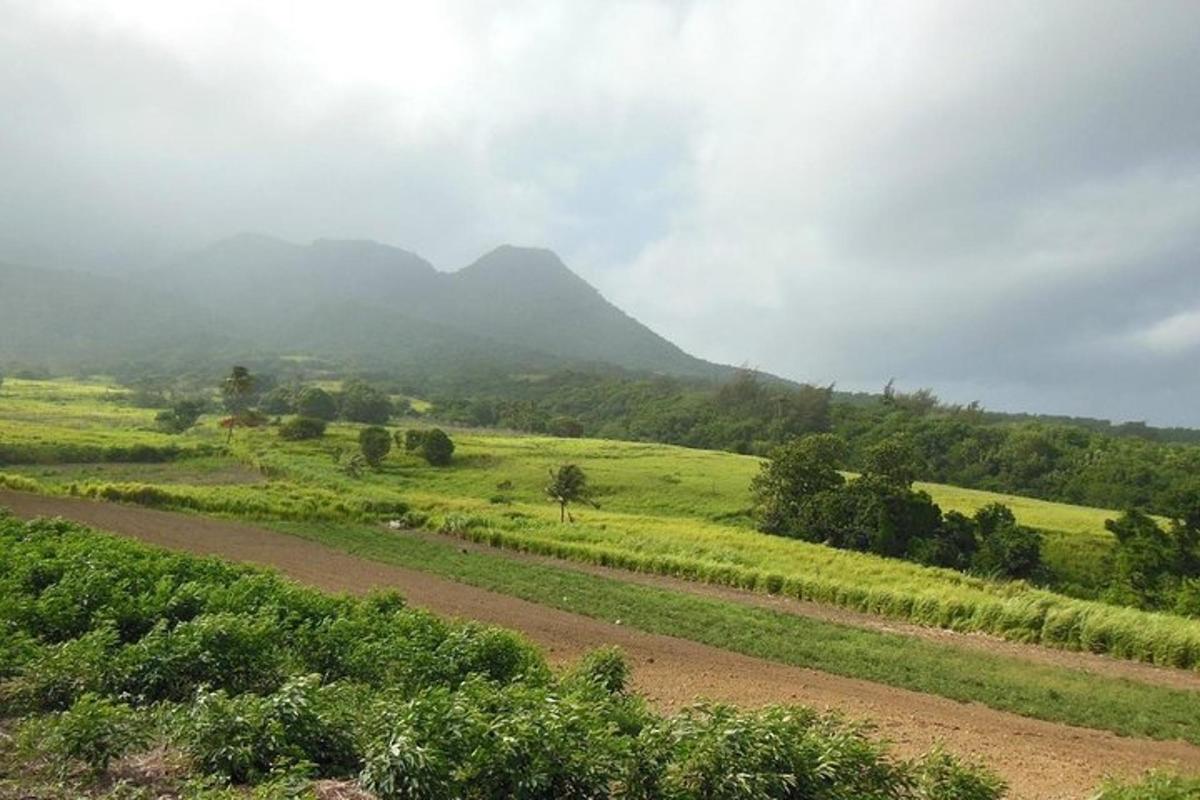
(965,194)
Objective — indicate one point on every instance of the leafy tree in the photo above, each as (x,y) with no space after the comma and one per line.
(237,391)
(892,462)
(1145,562)
(374,443)
(436,447)
(181,416)
(568,484)
(1006,548)
(316,403)
(361,402)
(797,471)
(300,428)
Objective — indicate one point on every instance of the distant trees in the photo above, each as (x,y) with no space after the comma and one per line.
(568,484)
(181,416)
(301,428)
(374,443)
(316,403)
(801,493)
(361,402)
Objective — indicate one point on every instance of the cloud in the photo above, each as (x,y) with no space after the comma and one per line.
(1001,200)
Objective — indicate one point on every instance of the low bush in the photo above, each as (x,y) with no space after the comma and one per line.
(267,682)
(301,428)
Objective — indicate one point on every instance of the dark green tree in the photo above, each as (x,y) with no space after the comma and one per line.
(797,472)
(317,403)
(374,443)
(361,402)
(436,447)
(892,462)
(568,484)
(300,428)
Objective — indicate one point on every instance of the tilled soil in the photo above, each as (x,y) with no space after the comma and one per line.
(1040,760)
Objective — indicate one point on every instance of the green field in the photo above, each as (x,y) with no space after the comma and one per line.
(663,509)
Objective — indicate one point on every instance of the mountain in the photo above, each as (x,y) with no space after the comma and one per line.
(514,308)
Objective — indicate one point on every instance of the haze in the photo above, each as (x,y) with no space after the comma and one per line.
(998,200)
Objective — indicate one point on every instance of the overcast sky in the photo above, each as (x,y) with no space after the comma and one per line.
(998,200)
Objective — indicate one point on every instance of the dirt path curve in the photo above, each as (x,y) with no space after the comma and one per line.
(1040,760)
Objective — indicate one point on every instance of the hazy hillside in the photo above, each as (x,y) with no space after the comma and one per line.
(513,308)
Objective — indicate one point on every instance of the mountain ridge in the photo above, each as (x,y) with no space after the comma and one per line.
(513,307)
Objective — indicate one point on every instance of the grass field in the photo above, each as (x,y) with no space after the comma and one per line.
(662,509)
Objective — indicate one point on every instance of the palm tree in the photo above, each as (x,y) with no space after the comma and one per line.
(568,484)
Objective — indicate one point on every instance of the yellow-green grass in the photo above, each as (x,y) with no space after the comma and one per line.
(663,509)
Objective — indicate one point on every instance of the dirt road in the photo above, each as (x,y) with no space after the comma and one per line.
(1040,760)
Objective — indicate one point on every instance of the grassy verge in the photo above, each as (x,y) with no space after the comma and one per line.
(1050,693)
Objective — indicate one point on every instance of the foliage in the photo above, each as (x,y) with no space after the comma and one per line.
(436,447)
(181,416)
(361,402)
(94,730)
(317,403)
(412,439)
(569,484)
(414,706)
(301,428)
(237,390)
(802,494)
(374,443)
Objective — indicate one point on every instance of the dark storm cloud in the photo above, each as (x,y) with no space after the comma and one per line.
(1000,200)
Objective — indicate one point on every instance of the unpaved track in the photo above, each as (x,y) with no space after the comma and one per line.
(1040,760)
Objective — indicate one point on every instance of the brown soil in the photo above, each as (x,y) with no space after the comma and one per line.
(1040,760)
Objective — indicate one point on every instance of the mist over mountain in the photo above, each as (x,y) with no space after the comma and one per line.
(513,308)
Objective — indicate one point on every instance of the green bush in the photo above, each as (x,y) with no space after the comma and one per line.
(374,443)
(300,428)
(436,447)
(272,684)
(94,730)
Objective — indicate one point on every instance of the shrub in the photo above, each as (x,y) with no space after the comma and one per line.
(94,730)
(436,447)
(1155,786)
(300,428)
(605,667)
(565,427)
(374,443)
(413,439)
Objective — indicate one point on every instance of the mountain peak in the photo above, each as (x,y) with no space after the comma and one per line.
(520,263)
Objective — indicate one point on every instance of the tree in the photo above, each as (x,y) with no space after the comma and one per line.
(181,416)
(796,472)
(300,428)
(362,402)
(436,447)
(892,462)
(568,484)
(316,403)
(1006,548)
(375,443)
(237,391)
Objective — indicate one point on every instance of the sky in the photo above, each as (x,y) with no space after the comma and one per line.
(1000,201)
